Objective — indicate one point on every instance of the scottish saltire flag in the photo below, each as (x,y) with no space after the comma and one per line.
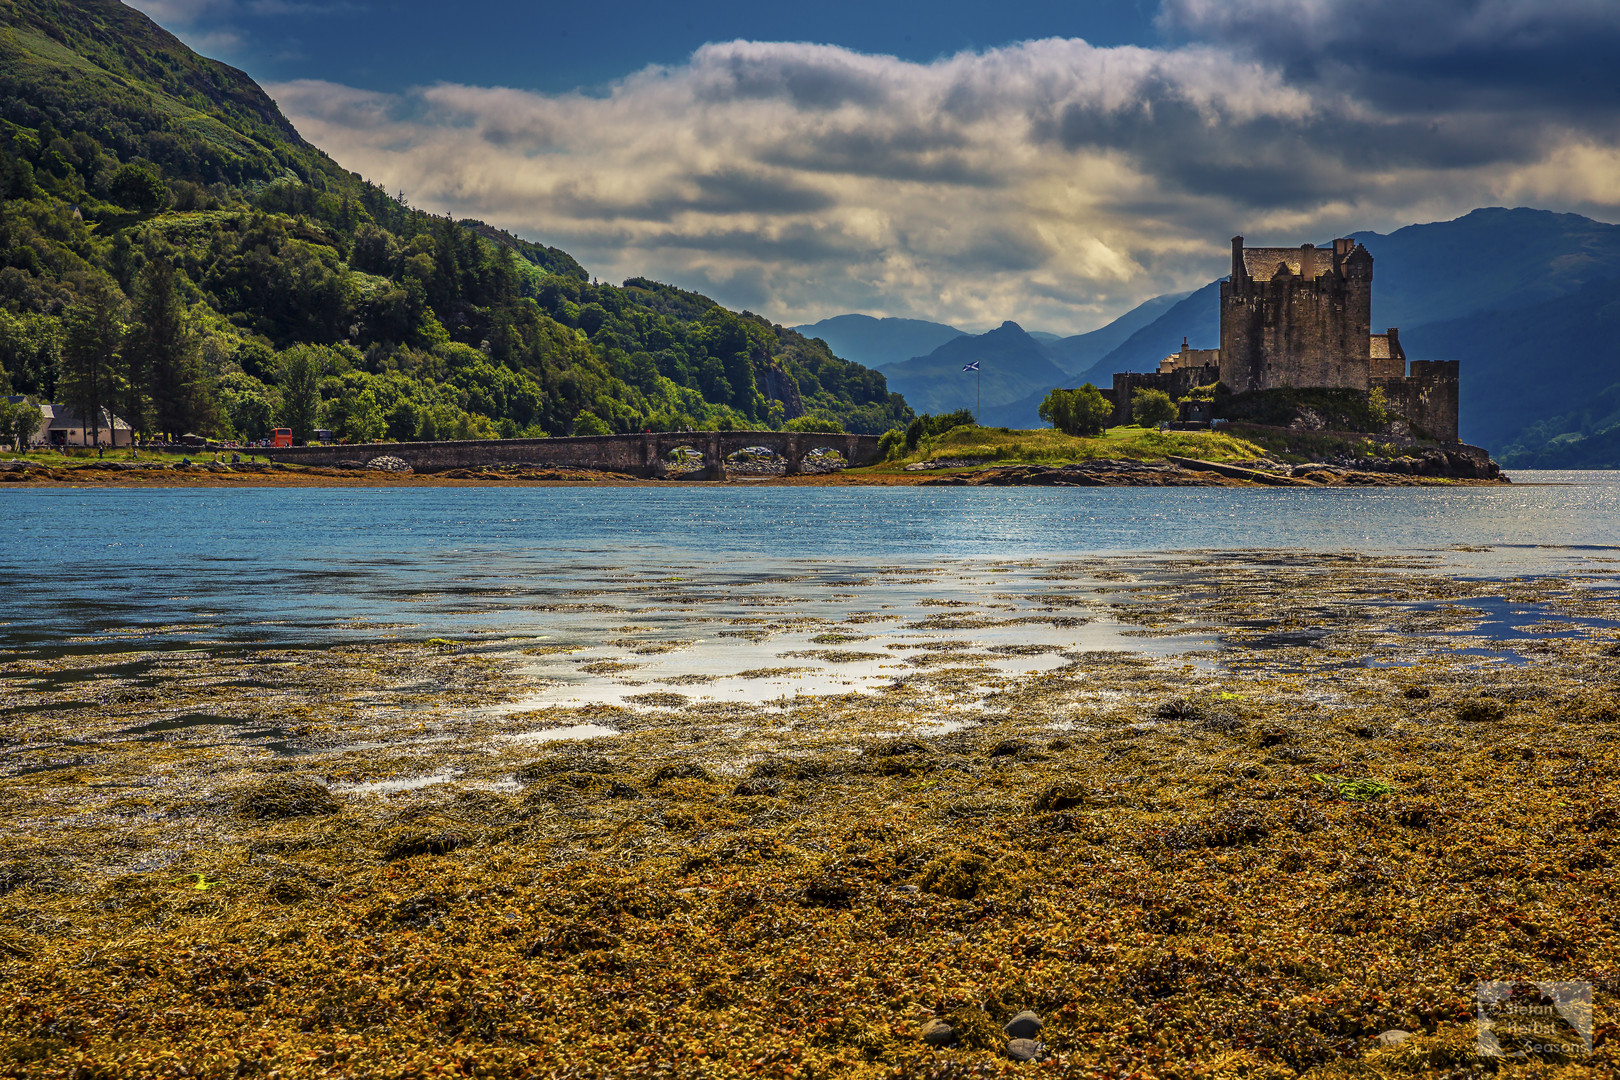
(971,367)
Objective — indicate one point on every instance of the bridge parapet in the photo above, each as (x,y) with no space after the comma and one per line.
(636,455)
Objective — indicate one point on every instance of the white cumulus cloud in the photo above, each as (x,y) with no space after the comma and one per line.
(1052,182)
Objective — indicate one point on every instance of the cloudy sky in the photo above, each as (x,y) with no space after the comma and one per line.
(1052,163)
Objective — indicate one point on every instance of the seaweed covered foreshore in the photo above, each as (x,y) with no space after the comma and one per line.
(1359,791)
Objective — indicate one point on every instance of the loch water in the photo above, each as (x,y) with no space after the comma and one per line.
(279,561)
(754,593)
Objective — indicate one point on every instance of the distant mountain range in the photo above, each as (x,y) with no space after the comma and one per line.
(876,342)
(1528,300)
(923,360)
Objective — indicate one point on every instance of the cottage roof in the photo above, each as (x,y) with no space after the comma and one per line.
(63,416)
(1261,263)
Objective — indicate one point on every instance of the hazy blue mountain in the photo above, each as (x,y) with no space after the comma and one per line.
(1553,365)
(1486,259)
(1012,365)
(877,342)
(1044,337)
(1078,353)
(1195,317)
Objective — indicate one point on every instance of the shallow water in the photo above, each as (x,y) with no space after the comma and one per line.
(714,593)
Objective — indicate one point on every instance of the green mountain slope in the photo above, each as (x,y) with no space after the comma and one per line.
(253,281)
(98,67)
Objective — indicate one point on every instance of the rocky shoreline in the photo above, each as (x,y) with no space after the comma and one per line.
(1451,465)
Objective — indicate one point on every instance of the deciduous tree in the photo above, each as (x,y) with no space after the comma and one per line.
(299,372)
(19,423)
(1150,407)
(1083,411)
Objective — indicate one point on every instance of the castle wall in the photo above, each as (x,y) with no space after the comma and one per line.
(1427,398)
(1292,332)
(1301,318)
(1297,317)
(1177,384)
(1386,367)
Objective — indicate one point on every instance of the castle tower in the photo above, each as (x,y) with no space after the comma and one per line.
(1297,317)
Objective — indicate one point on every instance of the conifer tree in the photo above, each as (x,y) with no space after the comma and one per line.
(161,362)
(91,351)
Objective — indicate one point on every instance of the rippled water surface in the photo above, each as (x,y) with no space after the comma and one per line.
(725,593)
(90,561)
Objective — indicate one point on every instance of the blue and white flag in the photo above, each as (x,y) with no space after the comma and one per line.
(971,367)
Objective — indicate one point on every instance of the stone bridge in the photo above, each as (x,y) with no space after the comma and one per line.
(636,455)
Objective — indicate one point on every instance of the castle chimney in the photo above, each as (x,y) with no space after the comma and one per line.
(1307,262)
(1237,260)
(1395,343)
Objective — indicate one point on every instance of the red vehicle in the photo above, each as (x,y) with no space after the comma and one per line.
(281,436)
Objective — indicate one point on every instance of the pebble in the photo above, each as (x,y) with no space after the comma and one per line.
(1023,1049)
(909,890)
(1023,1026)
(1393,1037)
(937,1032)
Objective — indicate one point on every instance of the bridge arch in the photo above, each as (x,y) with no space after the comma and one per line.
(636,455)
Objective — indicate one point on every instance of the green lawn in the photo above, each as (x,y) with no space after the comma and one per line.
(84,456)
(1051,447)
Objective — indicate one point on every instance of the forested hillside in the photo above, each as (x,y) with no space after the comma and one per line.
(172,250)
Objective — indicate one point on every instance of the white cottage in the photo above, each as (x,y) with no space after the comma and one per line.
(64,427)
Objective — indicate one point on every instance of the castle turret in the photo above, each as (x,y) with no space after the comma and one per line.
(1358,263)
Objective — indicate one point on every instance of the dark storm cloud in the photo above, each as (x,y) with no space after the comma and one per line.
(932,157)
(732,191)
(1435,54)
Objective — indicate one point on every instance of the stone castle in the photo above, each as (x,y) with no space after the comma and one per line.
(1301,318)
